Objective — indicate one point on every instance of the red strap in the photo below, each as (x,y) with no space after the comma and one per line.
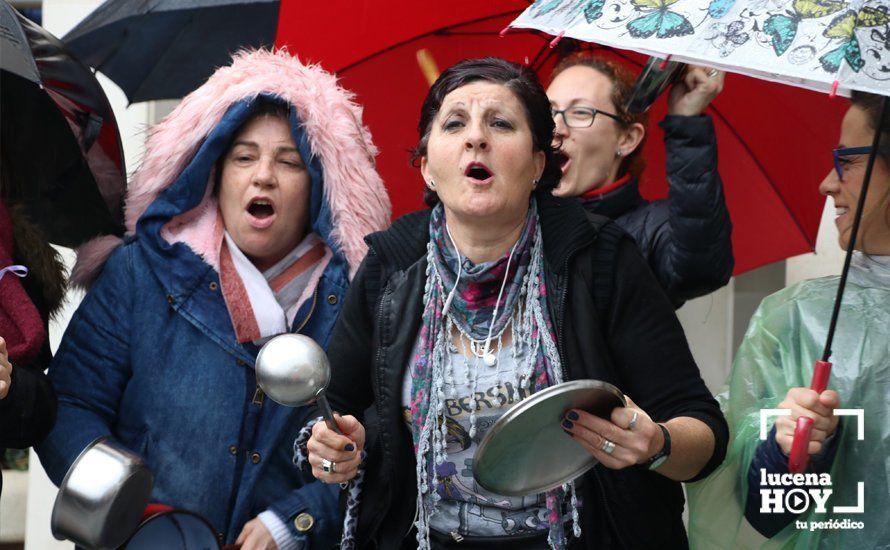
(606,188)
(155,508)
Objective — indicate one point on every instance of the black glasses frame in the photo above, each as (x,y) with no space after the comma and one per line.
(842,152)
(593,112)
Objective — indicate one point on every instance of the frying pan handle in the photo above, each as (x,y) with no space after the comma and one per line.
(799,458)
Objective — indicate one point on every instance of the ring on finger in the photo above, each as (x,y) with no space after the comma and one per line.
(607,447)
(328,466)
(633,421)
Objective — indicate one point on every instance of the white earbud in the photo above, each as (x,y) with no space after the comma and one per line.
(460,268)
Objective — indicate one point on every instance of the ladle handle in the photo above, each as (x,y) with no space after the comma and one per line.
(327,413)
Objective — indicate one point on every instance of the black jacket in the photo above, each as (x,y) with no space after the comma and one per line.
(28,412)
(640,348)
(686,237)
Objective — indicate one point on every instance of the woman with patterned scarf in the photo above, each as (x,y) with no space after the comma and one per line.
(460,311)
(245,220)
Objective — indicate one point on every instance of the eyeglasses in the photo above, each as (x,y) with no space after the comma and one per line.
(581,117)
(840,157)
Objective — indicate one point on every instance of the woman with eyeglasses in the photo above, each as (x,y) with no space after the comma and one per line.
(684,238)
(774,366)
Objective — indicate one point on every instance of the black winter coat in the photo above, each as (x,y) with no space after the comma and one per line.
(640,347)
(28,412)
(686,237)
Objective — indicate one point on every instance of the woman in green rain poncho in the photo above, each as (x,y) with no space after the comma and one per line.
(773,369)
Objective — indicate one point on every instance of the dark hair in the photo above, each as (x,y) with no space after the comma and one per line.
(622,80)
(520,80)
(871,104)
(263,107)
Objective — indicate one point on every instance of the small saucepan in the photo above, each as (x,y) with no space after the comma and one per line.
(102,498)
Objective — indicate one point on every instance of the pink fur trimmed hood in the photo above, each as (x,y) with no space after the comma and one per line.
(353,190)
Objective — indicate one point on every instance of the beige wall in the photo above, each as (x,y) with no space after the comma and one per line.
(828,258)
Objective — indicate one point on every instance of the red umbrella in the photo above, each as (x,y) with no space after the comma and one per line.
(764,129)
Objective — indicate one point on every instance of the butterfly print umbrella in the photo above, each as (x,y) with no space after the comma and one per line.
(826,45)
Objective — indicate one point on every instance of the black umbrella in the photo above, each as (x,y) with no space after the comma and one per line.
(60,151)
(164,49)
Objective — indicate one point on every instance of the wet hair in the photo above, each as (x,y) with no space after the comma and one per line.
(622,80)
(871,105)
(264,107)
(520,80)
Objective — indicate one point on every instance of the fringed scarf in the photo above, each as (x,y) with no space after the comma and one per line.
(523,308)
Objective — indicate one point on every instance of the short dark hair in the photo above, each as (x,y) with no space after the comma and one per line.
(623,81)
(871,104)
(524,84)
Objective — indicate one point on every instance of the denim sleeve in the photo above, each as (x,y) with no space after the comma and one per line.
(92,367)
(319,500)
(770,458)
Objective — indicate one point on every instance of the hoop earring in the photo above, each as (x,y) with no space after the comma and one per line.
(534,184)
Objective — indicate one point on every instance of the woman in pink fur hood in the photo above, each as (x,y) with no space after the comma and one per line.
(245,220)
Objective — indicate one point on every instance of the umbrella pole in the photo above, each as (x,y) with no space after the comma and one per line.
(799,458)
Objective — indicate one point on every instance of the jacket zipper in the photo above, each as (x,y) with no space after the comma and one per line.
(563,296)
(560,348)
(258,396)
(379,380)
(311,310)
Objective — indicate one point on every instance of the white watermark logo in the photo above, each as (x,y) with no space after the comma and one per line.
(799,493)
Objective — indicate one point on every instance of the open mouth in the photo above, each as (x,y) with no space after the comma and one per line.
(563,160)
(261,208)
(478,172)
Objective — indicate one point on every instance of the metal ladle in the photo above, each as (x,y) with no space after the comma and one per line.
(294,371)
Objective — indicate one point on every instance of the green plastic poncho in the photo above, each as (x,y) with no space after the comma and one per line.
(784,339)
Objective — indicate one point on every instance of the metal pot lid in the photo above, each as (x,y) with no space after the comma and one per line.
(657,75)
(527,452)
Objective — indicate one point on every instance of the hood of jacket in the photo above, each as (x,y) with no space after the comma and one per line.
(170,198)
